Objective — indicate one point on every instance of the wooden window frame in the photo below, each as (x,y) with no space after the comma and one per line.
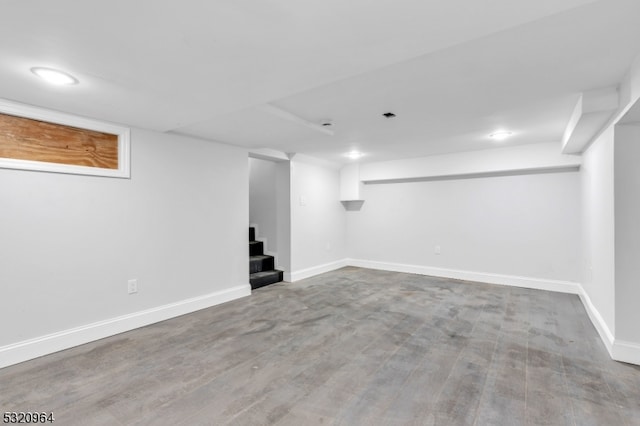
(41,114)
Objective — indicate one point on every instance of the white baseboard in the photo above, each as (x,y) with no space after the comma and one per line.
(598,322)
(618,350)
(510,280)
(626,352)
(294,276)
(44,345)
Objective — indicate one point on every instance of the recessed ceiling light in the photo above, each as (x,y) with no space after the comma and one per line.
(500,135)
(354,155)
(56,77)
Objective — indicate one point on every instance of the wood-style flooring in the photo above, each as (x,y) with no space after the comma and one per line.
(352,347)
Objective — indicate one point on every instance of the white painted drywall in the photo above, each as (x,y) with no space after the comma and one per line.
(350,183)
(524,157)
(627,232)
(263,201)
(597,174)
(283,219)
(604,190)
(318,219)
(69,243)
(523,225)
(630,86)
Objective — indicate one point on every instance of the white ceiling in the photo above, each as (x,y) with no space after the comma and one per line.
(452,70)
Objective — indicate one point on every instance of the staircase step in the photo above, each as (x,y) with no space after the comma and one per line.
(261,263)
(261,266)
(261,279)
(256,248)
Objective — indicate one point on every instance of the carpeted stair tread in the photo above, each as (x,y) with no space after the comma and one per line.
(256,248)
(263,278)
(261,262)
(262,270)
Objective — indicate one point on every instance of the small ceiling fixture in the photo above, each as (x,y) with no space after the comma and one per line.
(54,76)
(500,135)
(354,155)
(327,123)
(389,115)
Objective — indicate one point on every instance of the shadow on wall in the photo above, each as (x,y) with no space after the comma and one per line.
(353,205)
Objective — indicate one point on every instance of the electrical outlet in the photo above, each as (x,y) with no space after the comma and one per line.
(132,286)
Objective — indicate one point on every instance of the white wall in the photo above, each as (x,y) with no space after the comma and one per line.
(599,227)
(318,219)
(610,209)
(627,233)
(521,225)
(350,183)
(539,156)
(70,243)
(263,197)
(283,197)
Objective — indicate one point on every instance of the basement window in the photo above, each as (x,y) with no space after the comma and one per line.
(41,140)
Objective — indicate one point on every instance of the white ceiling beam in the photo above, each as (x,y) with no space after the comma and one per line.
(268,154)
(576,115)
(591,112)
(632,116)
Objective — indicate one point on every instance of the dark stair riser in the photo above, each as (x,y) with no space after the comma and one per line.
(256,248)
(262,270)
(261,263)
(261,279)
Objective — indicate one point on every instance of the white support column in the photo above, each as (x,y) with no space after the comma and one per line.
(350,183)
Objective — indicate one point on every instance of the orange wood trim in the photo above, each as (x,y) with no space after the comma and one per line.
(27,139)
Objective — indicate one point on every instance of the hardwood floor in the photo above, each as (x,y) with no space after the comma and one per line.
(353,347)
